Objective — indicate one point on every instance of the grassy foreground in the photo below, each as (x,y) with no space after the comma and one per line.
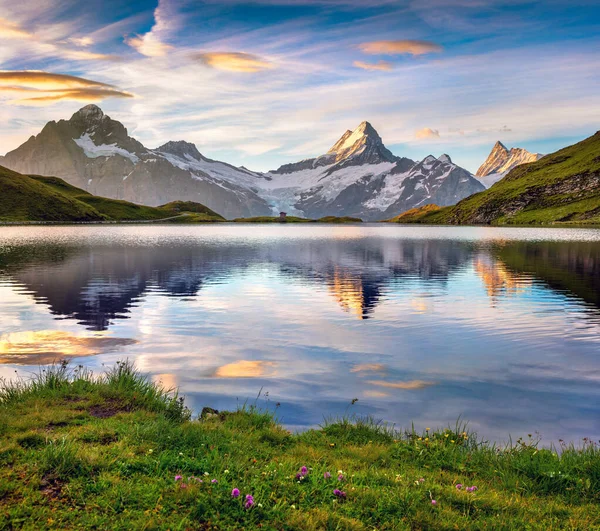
(116,452)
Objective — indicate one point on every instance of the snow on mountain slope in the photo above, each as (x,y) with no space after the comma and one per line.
(94,151)
(187,157)
(358,176)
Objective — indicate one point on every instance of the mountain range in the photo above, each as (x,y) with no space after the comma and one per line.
(357,177)
(562,187)
(501,160)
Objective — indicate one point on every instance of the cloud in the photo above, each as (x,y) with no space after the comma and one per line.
(244,369)
(234,61)
(81,41)
(368,367)
(149,45)
(82,55)
(10,30)
(45,88)
(427,132)
(46,346)
(409,47)
(410,385)
(381,65)
(152,44)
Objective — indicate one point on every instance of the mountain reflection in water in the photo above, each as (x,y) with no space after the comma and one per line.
(499,326)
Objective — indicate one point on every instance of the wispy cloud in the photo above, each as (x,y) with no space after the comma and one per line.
(45,88)
(234,61)
(152,44)
(410,385)
(384,66)
(404,47)
(11,30)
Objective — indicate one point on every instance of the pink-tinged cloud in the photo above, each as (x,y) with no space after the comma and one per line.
(427,132)
(384,66)
(403,47)
(410,385)
(10,30)
(149,45)
(234,61)
(45,88)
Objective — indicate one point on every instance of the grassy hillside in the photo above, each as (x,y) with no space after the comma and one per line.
(116,452)
(415,215)
(195,211)
(37,198)
(563,187)
(25,198)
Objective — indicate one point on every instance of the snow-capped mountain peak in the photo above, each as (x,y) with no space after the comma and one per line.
(501,160)
(445,158)
(363,145)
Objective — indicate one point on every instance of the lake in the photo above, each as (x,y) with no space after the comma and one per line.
(496,326)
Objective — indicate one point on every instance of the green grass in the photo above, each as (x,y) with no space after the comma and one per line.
(50,199)
(339,219)
(560,188)
(25,198)
(189,207)
(79,451)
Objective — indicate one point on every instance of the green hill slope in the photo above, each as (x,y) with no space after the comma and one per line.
(563,187)
(37,198)
(24,198)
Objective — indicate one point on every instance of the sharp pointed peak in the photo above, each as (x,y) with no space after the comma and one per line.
(445,158)
(500,145)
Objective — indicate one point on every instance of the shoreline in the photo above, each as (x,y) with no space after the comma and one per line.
(115,451)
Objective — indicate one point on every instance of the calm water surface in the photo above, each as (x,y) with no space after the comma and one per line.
(500,327)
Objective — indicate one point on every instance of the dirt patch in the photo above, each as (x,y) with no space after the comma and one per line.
(51,487)
(53,425)
(108,409)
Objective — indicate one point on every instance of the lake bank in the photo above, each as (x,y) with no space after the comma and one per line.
(82,452)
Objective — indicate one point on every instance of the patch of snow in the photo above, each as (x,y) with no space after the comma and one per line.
(491,179)
(218,170)
(92,151)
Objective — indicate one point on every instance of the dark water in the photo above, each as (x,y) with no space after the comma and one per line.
(500,327)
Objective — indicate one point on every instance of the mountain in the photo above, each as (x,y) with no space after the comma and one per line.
(357,177)
(95,153)
(360,177)
(36,198)
(501,160)
(563,187)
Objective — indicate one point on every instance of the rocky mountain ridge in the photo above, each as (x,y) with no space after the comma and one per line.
(358,176)
(501,160)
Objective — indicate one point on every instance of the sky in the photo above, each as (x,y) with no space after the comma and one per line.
(265,82)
